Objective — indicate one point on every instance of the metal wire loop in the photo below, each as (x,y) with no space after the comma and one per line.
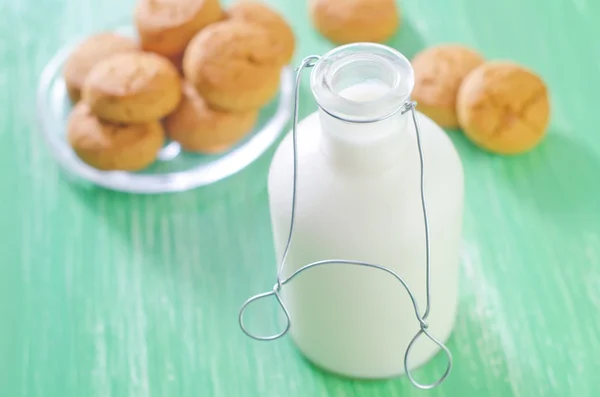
(423,331)
(274,292)
(309,62)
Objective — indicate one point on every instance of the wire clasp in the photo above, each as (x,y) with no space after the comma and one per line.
(310,62)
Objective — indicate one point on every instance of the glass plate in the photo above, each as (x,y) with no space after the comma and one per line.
(174,170)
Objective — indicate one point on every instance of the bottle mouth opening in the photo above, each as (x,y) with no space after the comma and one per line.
(358,70)
(362,82)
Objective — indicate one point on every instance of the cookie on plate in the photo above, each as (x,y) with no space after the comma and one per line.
(199,128)
(281,33)
(88,53)
(109,146)
(233,65)
(132,88)
(504,107)
(166,26)
(439,71)
(344,22)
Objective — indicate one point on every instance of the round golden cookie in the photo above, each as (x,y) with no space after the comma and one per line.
(167,26)
(281,32)
(107,146)
(439,72)
(89,53)
(233,65)
(344,22)
(503,107)
(199,128)
(132,88)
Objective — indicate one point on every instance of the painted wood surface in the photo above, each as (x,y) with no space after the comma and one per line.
(106,294)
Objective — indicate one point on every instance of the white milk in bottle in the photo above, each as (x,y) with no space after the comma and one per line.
(358,198)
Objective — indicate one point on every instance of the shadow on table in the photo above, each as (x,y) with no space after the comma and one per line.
(480,367)
(560,181)
(407,40)
(198,230)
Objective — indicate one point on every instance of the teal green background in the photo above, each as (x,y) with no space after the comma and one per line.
(107,294)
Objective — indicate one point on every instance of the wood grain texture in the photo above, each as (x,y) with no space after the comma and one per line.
(105,294)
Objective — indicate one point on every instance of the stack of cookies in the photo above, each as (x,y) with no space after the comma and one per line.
(199,75)
(501,106)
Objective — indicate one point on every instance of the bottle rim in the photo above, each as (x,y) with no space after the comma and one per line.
(355,63)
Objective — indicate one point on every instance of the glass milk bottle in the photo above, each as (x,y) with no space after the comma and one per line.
(358,197)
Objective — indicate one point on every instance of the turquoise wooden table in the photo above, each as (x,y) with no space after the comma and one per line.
(106,294)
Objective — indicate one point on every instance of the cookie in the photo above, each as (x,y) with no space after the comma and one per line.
(344,22)
(166,26)
(234,65)
(199,128)
(281,32)
(132,88)
(439,71)
(503,107)
(108,146)
(87,54)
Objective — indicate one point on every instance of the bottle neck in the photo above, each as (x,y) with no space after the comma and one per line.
(359,89)
(364,147)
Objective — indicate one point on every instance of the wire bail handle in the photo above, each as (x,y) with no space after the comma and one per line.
(310,62)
